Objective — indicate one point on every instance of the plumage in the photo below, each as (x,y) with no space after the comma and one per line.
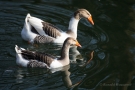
(51,30)
(37,64)
(35,27)
(27,58)
(43,39)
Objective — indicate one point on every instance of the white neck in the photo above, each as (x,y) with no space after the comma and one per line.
(73,24)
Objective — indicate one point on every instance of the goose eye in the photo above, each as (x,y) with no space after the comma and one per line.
(72,44)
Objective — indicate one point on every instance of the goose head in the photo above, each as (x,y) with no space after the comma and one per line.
(65,49)
(83,13)
(72,42)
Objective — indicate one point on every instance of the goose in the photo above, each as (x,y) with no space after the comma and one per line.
(36,30)
(26,58)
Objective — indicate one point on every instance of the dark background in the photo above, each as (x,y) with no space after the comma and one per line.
(112,38)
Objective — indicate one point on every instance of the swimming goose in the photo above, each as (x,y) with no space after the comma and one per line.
(36,30)
(27,58)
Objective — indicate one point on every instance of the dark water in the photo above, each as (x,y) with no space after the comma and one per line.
(112,39)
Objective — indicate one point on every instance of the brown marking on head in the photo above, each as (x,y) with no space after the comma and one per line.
(83,13)
(72,41)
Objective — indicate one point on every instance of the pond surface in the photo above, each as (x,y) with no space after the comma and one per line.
(112,39)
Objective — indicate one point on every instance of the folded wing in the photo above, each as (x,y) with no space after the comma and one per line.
(44,28)
(43,57)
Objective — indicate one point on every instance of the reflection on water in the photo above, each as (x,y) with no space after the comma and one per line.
(36,78)
(111,38)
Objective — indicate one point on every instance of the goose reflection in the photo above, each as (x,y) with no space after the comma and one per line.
(31,75)
(65,73)
(75,54)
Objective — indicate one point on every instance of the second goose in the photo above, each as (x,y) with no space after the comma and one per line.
(27,58)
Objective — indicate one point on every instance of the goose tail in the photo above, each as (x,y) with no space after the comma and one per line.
(18,50)
(27,17)
(19,58)
(27,25)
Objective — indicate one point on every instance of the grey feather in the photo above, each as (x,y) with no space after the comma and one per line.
(35,63)
(51,30)
(43,39)
(42,57)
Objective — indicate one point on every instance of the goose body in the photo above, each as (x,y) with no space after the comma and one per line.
(36,30)
(27,58)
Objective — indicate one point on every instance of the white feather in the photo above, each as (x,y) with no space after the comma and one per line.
(26,31)
(19,59)
(37,24)
(62,38)
(28,35)
(73,24)
(55,64)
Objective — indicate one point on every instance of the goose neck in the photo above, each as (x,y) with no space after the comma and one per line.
(73,24)
(65,52)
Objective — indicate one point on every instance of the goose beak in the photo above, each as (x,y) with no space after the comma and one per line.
(90,20)
(78,44)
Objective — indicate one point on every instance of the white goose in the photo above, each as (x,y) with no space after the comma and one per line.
(27,58)
(36,30)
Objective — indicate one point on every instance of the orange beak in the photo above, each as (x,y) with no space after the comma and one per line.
(78,44)
(90,20)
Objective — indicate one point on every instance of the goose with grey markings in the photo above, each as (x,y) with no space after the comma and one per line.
(26,58)
(36,30)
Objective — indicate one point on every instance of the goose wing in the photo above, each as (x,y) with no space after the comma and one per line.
(43,57)
(44,28)
(51,30)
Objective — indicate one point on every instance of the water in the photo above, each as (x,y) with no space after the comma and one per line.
(112,39)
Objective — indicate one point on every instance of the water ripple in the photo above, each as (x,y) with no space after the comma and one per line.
(102,38)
